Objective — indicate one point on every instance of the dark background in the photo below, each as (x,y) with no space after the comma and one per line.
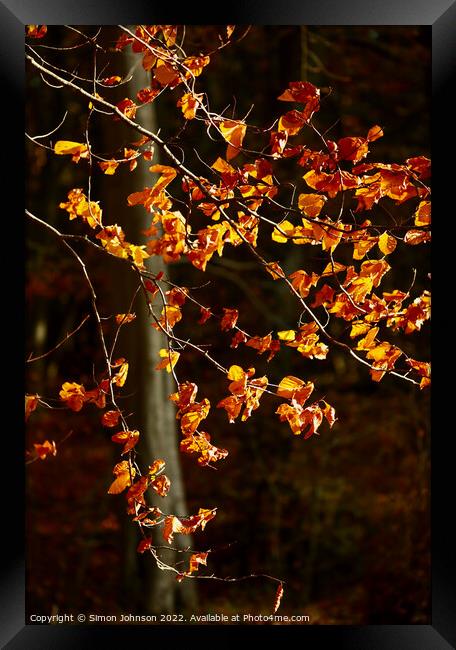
(343,518)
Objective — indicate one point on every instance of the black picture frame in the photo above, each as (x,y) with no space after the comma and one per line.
(440,15)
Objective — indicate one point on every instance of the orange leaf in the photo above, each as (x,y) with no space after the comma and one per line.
(109,167)
(110,418)
(234,133)
(130,438)
(229,319)
(311,204)
(31,402)
(161,485)
(73,395)
(123,480)
(45,449)
(169,359)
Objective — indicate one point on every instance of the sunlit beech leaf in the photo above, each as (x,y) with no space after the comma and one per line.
(121,376)
(303,282)
(234,133)
(232,405)
(191,418)
(78,206)
(45,449)
(229,319)
(386,243)
(294,388)
(156,467)
(185,395)
(260,343)
(236,373)
(76,149)
(189,104)
(414,237)
(329,413)
(311,204)
(299,91)
(188,525)
(195,560)
(359,328)
(31,402)
(363,246)
(109,167)
(127,107)
(423,214)
(161,485)
(287,335)
(239,337)
(73,395)
(324,297)
(128,438)
(123,473)
(374,133)
(169,359)
(368,341)
(195,65)
(332,269)
(110,418)
(199,443)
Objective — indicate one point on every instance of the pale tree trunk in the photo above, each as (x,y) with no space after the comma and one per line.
(154,415)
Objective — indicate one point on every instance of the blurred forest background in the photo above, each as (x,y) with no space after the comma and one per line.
(342,518)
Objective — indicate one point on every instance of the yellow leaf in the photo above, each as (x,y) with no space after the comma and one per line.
(236,373)
(234,133)
(386,243)
(75,149)
(311,204)
(169,359)
(287,335)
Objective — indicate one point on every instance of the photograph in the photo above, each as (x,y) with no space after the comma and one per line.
(227,324)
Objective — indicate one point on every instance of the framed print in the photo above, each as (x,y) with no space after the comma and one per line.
(227,323)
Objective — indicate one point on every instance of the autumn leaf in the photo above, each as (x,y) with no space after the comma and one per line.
(127,107)
(122,471)
(127,438)
(234,133)
(73,395)
(110,418)
(121,376)
(196,559)
(311,204)
(161,485)
(75,149)
(386,243)
(45,449)
(31,402)
(169,359)
(294,388)
(229,319)
(189,104)
(109,167)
